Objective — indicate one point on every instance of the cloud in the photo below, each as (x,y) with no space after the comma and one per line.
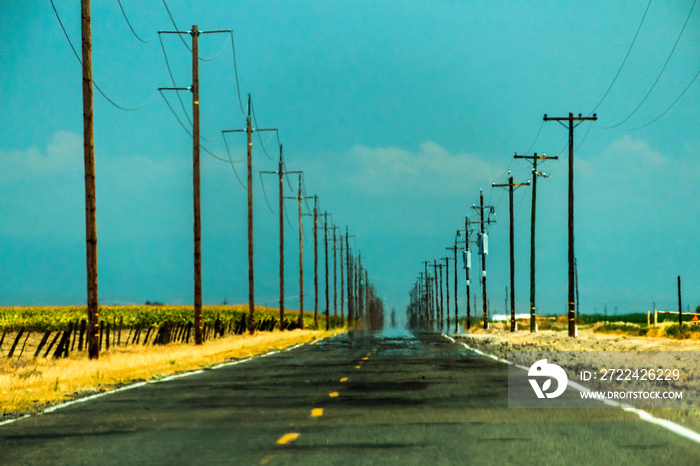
(429,171)
(64,153)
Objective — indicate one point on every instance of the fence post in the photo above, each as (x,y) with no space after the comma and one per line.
(12,349)
(42,343)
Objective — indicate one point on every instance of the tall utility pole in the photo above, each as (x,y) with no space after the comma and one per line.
(251,269)
(351,308)
(280,182)
(447,289)
(360,295)
(454,250)
(335,275)
(484,249)
(342,283)
(511,186)
(535,175)
(467,269)
(442,301)
(428,302)
(299,198)
(315,216)
(571,119)
(90,197)
(325,215)
(680,305)
(195,32)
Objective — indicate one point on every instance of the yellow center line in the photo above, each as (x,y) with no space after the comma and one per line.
(365,358)
(287,438)
(344,379)
(333,394)
(357,367)
(317,412)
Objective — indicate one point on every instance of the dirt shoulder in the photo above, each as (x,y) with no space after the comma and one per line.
(499,342)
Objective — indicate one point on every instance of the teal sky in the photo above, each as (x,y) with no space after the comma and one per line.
(398,113)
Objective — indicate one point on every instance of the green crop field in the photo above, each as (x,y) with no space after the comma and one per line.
(144,316)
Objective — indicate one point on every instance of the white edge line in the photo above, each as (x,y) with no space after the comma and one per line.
(141,384)
(643,415)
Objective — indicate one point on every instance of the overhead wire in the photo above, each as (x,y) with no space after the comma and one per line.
(670,106)
(228,151)
(172,78)
(265,193)
(172,20)
(235,71)
(107,98)
(625,59)
(130,26)
(660,72)
(255,120)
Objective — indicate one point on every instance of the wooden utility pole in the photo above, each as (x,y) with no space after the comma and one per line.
(484,249)
(251,269)
(90,196)
(442,301)
(428,302)
(511,186)
(315,215)
(195,32)
(680,306)
(299,198)
(325,215)
(300,323)
(454,250)
(351,309)
(571,119)
(447,290)
(535,175)
(467,269)
(360,296)
(198,331)
(342,283)
(280,182)
(335,275)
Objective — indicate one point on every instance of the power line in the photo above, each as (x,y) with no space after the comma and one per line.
(120,107)
(265,193)
(172,78)
(672,104)
(235,71)
(129,24)
(252,107)
(660,72)
(623,61)
(175,25)
(228,151)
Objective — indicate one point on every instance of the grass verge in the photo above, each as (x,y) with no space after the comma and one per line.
(30,385)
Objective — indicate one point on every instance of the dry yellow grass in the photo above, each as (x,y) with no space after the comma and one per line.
(27,385)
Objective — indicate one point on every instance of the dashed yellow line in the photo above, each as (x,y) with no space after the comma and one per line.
(365,358)
(287,438)
(344,379)
(317,412)
(333,394)
(357,367)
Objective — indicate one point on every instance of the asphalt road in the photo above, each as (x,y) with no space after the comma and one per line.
(387,398)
